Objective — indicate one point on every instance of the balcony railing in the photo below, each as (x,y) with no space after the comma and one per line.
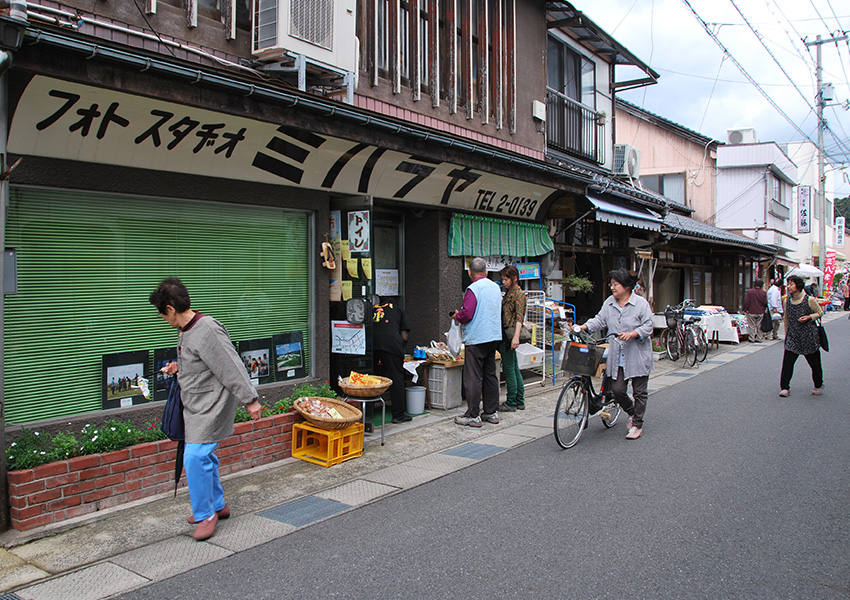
(573,128)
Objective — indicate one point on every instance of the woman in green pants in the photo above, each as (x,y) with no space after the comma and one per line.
(513,313)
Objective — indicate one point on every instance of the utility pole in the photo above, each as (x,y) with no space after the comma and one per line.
(821,102)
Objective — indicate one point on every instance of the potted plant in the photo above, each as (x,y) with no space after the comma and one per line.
(601,117)
(577,283)
(658,351)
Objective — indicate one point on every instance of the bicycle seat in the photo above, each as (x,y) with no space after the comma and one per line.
(690,319)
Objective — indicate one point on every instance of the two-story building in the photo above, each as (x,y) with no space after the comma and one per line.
(224,142)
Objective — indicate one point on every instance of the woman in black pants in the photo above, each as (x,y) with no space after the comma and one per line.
(801,336)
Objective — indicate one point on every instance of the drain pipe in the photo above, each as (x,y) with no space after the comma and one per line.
(17,12)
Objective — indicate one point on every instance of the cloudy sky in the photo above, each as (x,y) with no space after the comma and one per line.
(702,88)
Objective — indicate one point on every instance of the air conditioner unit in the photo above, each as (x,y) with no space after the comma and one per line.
(321,30)
(742,136)
(626,160)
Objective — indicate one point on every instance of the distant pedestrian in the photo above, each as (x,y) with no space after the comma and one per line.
(774,304)
(801,336)
(481,317)
(213,383)
(812,289)
(755,303)
(845,288)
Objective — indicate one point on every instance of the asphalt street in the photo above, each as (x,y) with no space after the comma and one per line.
(732,492)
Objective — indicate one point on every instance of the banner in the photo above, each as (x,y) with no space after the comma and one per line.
(804,204)
(828,271)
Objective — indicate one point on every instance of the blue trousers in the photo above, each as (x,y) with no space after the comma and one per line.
(205,492)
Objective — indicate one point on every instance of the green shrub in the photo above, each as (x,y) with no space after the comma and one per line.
(34,448)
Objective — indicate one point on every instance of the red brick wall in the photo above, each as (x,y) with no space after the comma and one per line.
(57,491)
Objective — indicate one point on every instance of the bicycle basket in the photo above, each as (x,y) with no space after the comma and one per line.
(673,316)
(582,359)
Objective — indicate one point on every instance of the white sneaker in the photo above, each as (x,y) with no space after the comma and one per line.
(469,421)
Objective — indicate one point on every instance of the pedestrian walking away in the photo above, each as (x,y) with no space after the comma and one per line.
(845,288)
(801,336)
(389,335)
(755,303)
(630,355)
(513,313)
(774,305)
(480,315)
(213,383)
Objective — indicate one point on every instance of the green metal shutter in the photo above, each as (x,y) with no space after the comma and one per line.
(87,263)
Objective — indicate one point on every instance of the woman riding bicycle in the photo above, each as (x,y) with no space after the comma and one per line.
(630,357)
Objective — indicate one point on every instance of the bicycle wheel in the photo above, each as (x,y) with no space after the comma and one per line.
(671,343)
(610,413)
(702,343)
(690,350)
(571,413)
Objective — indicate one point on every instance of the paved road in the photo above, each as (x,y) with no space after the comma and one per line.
(733,492)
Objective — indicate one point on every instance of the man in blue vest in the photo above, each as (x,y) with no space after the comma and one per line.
(481,318)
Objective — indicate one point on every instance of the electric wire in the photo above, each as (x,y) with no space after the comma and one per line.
(155,32)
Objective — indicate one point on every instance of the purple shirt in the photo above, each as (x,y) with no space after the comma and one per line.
(467,308)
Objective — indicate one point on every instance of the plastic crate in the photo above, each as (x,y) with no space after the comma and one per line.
(445,386)
(326,447)
(528,356)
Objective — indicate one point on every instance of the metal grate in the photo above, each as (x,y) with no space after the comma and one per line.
(313,21)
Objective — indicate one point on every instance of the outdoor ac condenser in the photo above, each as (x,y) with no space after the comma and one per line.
(626,160)
(321,30)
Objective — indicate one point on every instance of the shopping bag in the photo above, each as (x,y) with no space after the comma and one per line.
(766,321)
(824,341)
(454,338)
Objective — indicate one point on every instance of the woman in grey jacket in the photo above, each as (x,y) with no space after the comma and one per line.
(213,383)
(630,355)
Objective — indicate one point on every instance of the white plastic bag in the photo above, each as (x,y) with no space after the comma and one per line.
(454,338)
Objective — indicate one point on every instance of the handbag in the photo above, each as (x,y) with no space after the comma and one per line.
(524,333)
(824,341)
(766,322)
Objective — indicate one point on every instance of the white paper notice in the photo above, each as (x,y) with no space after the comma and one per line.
(347,338)
(386,282)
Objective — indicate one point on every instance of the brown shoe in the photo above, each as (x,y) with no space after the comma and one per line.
(223,514)
(206,528)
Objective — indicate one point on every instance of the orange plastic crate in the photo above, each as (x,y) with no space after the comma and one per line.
(326,447)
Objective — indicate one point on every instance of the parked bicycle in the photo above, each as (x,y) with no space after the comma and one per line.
(682,336)
(578,400)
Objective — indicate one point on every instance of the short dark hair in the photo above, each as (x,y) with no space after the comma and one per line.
(623,277)
(171,292)
(796,280)
(759,283)
(510,272)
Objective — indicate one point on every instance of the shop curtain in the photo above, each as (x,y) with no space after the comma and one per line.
(484,236)
(87,262)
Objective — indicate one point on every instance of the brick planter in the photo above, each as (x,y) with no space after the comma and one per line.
(78,486)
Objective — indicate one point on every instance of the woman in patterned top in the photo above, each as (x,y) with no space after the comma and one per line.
(513,313)
(801,336)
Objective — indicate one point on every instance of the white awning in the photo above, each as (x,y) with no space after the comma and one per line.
(620,213)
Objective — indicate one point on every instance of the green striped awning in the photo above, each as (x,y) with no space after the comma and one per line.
(484,236)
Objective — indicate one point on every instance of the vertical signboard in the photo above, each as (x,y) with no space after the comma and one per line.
(839,232)
(828,271)
(804,209)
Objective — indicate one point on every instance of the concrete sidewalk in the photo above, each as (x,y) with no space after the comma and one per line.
(130,546)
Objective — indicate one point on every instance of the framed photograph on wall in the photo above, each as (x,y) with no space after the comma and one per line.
(125,379)
(161,357)
(289,356)
(256,356)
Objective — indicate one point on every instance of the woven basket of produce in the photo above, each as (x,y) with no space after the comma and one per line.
(327,413)
(364,386)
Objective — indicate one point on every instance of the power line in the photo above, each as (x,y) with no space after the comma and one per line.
(745,73)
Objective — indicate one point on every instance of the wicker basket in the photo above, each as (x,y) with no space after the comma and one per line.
(366,391)
(350,414)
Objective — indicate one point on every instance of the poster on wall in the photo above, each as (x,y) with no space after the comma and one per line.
(358,231)
(161,357)
(289,356)
(125,379)
(386,282)
(256,356)
(348,338)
